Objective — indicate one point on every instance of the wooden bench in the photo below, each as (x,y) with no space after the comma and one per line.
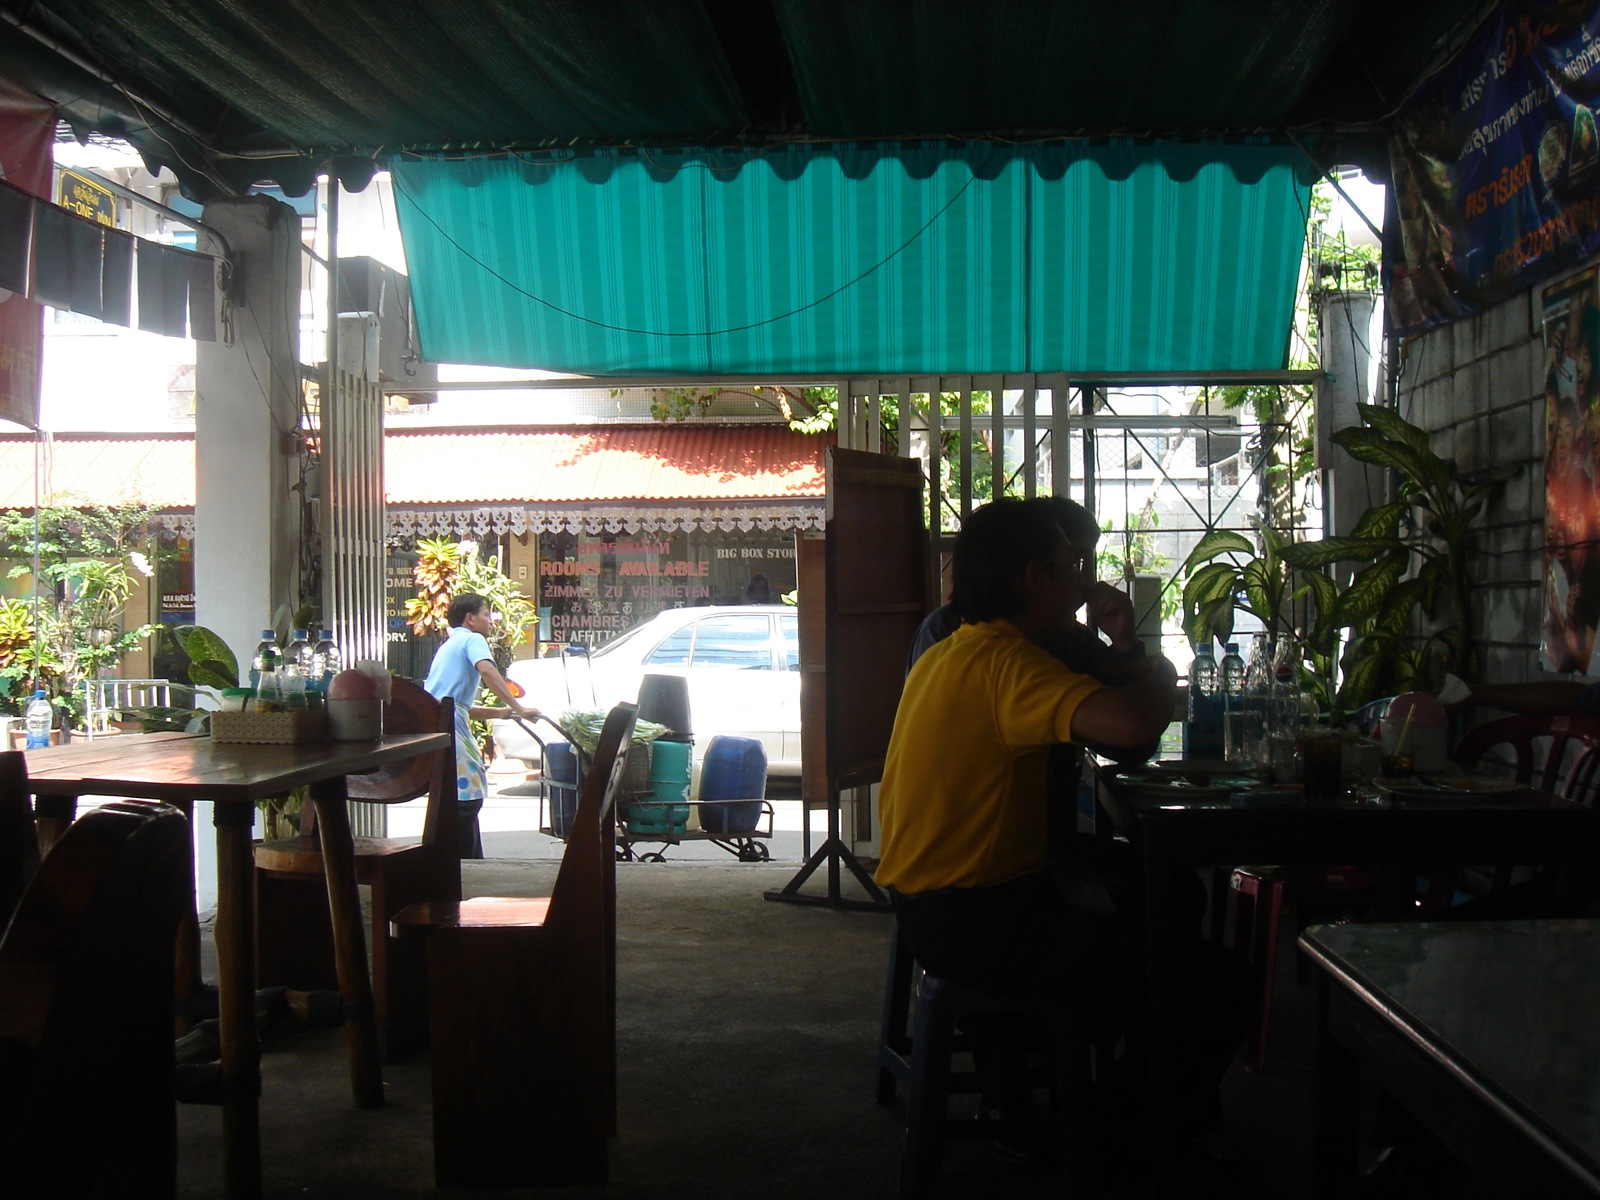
(522,1009)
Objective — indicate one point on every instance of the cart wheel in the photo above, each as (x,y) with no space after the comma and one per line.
(753,852)
(653,856)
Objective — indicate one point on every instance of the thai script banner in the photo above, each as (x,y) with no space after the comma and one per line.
(1497,167)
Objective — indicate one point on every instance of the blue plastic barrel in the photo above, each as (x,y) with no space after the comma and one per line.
(734,769)
(561,778)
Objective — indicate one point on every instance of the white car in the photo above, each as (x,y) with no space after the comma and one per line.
(742,663)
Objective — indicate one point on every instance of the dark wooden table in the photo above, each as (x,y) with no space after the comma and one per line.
(1485,1031)
(181,769)
(1175,828)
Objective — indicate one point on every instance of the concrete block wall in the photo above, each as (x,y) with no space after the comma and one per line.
(1477,386)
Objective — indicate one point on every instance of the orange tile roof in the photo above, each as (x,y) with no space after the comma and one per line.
(628,462)
(534,466)
(158,471)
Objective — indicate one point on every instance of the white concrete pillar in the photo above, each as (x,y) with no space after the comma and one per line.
(1349,330)
(247,412)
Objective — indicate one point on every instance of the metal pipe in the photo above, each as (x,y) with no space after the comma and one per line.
(171,214)
(1097,378)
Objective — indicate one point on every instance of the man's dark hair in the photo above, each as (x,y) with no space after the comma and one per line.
(1076,521)
(463,606)
(994,547)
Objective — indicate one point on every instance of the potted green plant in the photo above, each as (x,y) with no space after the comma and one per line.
(1413,555)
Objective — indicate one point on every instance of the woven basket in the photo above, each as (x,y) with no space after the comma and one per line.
(299,725)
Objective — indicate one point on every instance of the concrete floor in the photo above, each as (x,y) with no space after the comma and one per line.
(747,1032)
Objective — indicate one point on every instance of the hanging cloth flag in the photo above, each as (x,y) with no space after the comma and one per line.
(202,279)
(27,127)
(163,289)
(16,237)
(66,260)
(116,278)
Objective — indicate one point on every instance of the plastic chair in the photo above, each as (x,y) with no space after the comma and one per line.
(1556,752)
(107,700)
(86,968)
(294,933)
(522,1008)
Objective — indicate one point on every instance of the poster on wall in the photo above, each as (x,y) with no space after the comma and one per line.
(1496,164)
(27,129)
(1570,313)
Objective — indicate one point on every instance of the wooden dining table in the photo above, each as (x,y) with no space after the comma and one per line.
(181,769)
(1178,824)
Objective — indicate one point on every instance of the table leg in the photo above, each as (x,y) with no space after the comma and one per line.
(349,940)
(1338,1093)
(236,1000)
(1162,1013)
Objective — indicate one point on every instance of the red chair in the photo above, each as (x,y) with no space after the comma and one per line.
(1261,893)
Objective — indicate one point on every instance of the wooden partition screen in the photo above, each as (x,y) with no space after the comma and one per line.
(873,595)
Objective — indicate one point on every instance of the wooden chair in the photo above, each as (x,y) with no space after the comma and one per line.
(87,1106)
(522,1009)
(19,844)
(294,933)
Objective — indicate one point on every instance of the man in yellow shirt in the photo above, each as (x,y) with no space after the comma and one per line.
(964,853)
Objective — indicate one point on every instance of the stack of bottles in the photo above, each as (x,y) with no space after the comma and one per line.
(296,676)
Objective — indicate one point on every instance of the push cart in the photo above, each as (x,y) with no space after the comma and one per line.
(747,845)
(741,827)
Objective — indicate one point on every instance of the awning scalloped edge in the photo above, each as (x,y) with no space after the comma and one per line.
(407,525)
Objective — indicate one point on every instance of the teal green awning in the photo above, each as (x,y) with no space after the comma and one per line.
(888,259)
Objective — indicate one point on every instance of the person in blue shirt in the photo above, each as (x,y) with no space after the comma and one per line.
(462,666)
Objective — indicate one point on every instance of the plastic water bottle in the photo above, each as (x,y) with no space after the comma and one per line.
(37,720)
(267,659)
(1257,684)
(1202,730)
(297,655)
(1284,722)
(326,661)
(1232,671)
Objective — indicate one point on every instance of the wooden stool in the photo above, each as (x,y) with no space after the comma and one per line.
(940,1005)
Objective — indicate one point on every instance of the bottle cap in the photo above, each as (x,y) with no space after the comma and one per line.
(267,635)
